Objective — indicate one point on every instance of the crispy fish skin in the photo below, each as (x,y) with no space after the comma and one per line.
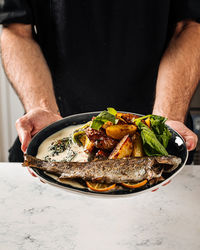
(108,171)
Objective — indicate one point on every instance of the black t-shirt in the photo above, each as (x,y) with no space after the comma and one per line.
(100,52)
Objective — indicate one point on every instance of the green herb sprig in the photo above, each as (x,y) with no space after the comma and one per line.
(104,117)
(155,140)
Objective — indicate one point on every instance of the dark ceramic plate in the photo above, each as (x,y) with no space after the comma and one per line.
(176,147)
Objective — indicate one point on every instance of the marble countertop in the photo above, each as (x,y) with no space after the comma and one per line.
(34,215)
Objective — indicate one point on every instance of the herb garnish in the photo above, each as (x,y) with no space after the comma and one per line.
(60,146)
(79,133)
(70,154)
(155,140)
(104,117)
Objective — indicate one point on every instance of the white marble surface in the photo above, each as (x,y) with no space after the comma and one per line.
(34,215)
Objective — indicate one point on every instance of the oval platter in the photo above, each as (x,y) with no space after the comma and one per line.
(175,147)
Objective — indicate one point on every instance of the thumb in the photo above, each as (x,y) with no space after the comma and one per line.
(24,129)
(25,139)
(190,143)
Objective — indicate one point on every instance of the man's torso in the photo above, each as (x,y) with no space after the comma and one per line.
(102,53)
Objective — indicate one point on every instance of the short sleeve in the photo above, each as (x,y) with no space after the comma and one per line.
(15,11)
(185,9)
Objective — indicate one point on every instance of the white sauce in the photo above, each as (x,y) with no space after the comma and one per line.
(43,149)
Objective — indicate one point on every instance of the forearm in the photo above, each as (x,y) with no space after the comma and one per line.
(27,69)
(179,73)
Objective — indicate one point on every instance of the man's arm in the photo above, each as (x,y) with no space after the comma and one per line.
(178,77)
(29,74)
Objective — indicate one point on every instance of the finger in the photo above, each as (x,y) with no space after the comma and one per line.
(191,142)
(24,129)
(188,135)
(190,138)
(25,141)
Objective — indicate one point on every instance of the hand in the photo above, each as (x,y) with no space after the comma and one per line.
(32,122)
(190,137)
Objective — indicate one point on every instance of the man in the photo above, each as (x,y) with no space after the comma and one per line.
(64,57)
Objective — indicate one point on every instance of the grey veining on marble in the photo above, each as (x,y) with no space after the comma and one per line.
(34,215)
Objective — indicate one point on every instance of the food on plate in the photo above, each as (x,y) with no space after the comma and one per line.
(60,146)
(110,171)
(100,187)
(100,139)
(137,146)
(134,185)
(123,149)
(111,151)
(119,131)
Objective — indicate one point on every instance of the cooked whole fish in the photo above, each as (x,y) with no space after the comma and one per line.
(109,171)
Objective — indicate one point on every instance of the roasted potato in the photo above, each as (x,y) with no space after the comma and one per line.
(148,122)
(89,145)
(137,145)
(126,117)
(120,130)
(107,124)
(123,149)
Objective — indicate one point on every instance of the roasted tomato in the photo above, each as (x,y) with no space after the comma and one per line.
(100,139)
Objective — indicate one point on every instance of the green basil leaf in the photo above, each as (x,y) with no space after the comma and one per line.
(97,124)
(103,117)
(160,129)
(151,145)
(141,118)
(112,111)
